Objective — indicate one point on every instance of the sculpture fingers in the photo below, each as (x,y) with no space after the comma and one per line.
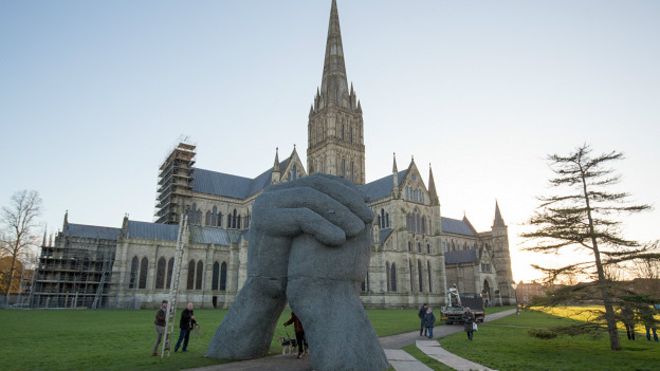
(292,222)
(305,197)
(339,189)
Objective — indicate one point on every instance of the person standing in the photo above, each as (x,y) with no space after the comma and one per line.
(159,323)
(468,323)
(628,319)
(646,313)
(185,326)
(421,314)
(300,333)
(429,322)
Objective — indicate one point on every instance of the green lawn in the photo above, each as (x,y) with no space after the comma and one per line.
(505,345)
(122,340)
(422,357)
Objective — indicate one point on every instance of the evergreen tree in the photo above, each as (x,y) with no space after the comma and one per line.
(583,214)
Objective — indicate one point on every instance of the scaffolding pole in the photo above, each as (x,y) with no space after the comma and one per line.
(174,287)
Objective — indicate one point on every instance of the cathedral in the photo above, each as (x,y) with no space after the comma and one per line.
(415,256)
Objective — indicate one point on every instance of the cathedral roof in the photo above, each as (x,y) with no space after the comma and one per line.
(461,256)
(152,231)
(91,231)
(213,235)
(382,187)
(384,234)
(169,232)
(456,226)
(232,186)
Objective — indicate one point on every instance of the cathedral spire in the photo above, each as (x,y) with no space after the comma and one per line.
(334,86)
(498,221)
(433,194)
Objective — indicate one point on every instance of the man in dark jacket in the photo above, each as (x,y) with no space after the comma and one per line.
(468,323)
(421,314)
(185,326)
(159,323)
(300,333)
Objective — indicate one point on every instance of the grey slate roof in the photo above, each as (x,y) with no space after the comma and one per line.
(210,235)
(232,186)
(461,256)
(456,226)
(152,231)
(92,231)
(384,234)
(382,187)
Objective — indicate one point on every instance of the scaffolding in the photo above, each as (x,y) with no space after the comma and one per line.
(72,277)
(175,183)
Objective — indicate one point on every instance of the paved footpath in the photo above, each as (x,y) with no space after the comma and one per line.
(391,345)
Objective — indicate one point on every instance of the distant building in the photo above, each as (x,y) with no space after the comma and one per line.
(416,253)
(526,292)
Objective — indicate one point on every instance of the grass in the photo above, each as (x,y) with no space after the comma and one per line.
(422,357)
(505,345)
(122,340)
(493,310)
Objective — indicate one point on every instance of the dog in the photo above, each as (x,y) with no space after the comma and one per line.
(289,345)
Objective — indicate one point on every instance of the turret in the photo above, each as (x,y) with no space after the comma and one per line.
(395,177)
(275,174)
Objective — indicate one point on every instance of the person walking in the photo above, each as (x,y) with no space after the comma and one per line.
(421,314)
(159,323)
(185,326)
(429,322)
(628,319)
(300,334)
(468,323)
(646,313)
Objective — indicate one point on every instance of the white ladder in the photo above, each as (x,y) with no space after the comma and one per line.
(174,287)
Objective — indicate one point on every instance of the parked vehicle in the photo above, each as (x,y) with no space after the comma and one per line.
(452,313)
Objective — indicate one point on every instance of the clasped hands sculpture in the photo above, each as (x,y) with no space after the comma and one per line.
(309,243)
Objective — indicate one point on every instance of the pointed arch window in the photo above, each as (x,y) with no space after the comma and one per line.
(199,276)
(393,277)
(428,269)
(410,274)
(207,218)
(144,269)
(214,216)
(135,263)
(387,276)
(215,276)
(420,276)
(190,284)
(223,276)
(219,219)
(160,273)
(170,269)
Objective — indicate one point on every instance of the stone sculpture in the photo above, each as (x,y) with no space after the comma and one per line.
(309,243)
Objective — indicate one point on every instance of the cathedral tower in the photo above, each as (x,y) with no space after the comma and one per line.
(335,129)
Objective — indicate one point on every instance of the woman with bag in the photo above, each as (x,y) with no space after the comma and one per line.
(469,323)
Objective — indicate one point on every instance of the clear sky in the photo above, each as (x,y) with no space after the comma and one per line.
(94,94)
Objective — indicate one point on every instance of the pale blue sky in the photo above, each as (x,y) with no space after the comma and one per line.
(93,94)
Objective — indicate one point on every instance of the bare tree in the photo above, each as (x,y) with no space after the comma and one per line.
(18,222)
(583,216)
